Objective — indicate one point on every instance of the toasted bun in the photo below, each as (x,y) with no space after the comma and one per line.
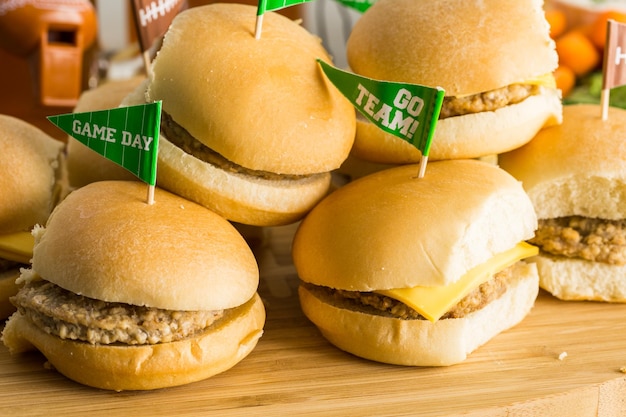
(576,168)
(421,342)
(8,288)
(31,174)
(106,242)
(119,368)
(578,279)
(391,229)
(261,103)
(85,166)
(451,44)
(468,136)
(240,198)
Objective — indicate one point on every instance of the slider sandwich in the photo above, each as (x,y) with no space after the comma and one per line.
(418,271)
(494,60)
(575,175)
(31,184)
(251,128)
(125,295)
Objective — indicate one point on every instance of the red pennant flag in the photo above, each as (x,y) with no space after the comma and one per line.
(153,18)
(614,56)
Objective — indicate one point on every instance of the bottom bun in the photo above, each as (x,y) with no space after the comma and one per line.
(577,279)
(146,367)
(468,136)
(421,342)
(8,288)
(239,198)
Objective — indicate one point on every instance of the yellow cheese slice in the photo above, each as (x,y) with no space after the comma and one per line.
(547,80)
(17,247)
(434,302)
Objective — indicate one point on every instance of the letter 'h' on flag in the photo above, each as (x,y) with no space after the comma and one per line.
(614,65)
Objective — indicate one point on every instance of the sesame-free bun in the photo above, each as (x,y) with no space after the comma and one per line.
(105,241)
(469,136)
(146,367)
(261,104)
(31,175)
(391,229)
(84,165)
(451,44)
(244,199)
(578,279)
(576,168)
(421,342)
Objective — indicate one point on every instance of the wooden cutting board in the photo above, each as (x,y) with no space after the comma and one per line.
(565,359)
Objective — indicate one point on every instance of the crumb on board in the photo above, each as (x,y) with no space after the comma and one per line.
(562,356)
(623,369)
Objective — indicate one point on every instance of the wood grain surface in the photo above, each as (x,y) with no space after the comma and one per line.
(564,359)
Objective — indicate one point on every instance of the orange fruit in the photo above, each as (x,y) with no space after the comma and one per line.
(598,27)
(565,79)
(558,22)
(577,52)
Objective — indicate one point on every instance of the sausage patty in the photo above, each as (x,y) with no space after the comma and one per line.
(596,240)
(374,303)
(181,138)
(488,100)
(70,316)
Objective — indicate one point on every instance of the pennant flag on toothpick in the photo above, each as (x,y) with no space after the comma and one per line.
(408,111)
(152,19)
(128,136)
(614,65)
(360,5)
(269,5)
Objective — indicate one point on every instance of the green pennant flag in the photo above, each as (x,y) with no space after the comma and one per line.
(269,5)
(360,5)
(408,111)
(128,136)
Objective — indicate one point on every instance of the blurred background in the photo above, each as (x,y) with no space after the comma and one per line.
(52,50)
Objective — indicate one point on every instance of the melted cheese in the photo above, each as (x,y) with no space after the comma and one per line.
(434,302)
(17,247)
(546,80)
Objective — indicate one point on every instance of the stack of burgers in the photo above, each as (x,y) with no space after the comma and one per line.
(422,271)
(393,268)
(126,295)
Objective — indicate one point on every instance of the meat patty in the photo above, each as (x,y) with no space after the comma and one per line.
(488,100)
(71,316)
(179,137)
(374,303)
(596,240)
